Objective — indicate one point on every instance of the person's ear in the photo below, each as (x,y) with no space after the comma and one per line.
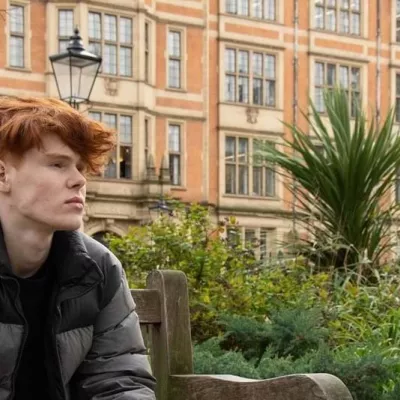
(4,182)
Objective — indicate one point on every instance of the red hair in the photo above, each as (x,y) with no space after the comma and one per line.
(23,120)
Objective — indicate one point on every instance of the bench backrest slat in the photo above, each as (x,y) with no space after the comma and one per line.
(148,305)
(163,310)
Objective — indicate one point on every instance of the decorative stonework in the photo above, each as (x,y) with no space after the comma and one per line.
(252,115)
(111,86)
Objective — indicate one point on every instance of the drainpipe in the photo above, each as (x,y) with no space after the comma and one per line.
(378,64)
(295,96)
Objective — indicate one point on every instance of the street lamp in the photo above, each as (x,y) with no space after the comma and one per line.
(75,71)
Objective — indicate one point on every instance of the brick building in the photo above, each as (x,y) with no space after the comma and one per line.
(198,84)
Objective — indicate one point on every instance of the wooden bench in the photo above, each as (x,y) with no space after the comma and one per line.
(163,309)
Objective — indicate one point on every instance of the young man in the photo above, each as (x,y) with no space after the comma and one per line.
(68,329)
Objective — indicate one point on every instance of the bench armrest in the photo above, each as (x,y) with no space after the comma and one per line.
(230,387)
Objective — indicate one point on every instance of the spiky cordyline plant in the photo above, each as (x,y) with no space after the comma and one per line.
(343,191)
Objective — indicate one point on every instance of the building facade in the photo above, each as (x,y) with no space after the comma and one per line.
(194,86)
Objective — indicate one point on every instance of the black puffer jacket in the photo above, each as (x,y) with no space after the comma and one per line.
(96,349)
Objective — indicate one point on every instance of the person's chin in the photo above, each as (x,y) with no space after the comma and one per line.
(70,224)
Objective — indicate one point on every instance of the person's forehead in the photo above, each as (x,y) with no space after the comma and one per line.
(53,146)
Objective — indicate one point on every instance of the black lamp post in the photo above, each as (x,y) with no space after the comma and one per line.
(75,71)
(161,207)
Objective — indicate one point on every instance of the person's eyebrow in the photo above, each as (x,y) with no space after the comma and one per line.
(59,156)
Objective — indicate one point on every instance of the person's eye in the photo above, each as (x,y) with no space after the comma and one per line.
(57,165)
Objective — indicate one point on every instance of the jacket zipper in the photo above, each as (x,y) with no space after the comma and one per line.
(25,334)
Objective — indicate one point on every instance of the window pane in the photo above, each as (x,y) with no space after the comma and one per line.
(257,8)
(125,129)
(319,74)
(257,64)
(257,149)
(397,84)
(110,59)
(233,236)
(174,73)
(110,28)
(269,64)
(16,14)
(257,181)
(230,60)
(110,120)
(230,149)
(125,30)
(16,51)
(125,163)
(331,3)
(95,48)
(269,9)
(355,78)
(243,89)
(125,61)
(344,77)
(243,7)
(146,35)
(331,19)
(174,44)
(243,150)
(230,85)
(62,45)
(243,179)
(344,4)
(263,244)
(331,75)
(174,138)
(319,99)
(355,103)
(355,24)
(230,179)
(249,237)
(95,115)
(270,93)
(243,62)
(398,29)
(111,168)
(269,182)
(344,24)
(397,110)
(257,91)
(65,23)
(230,6)
(175,169)
(94,26)
(319,17)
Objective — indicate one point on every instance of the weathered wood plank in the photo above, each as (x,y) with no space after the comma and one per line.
(229,387)
(148,305)
(172,343)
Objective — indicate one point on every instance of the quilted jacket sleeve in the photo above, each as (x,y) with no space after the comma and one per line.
(116,366)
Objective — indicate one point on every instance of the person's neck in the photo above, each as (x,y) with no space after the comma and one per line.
(28,246)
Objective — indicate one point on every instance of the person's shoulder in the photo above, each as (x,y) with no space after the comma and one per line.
(99,253)
(108,263)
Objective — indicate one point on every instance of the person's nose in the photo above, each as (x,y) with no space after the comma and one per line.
(77,179)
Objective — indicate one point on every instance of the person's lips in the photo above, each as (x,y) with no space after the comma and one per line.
(75,200)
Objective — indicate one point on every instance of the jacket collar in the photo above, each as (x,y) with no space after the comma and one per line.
(69,255)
